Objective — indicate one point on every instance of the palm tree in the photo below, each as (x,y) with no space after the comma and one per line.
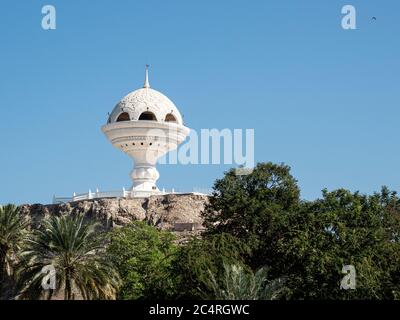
(239,284)
(75,250)
(12,229)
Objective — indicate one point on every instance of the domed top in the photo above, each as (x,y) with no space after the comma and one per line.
(146,104)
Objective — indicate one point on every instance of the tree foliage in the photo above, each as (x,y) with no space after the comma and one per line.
(143,257)
(309,242)
(342,228)
(254,222)
(195,260)
(12,231)
(76,251)
(248,206)
(242,284)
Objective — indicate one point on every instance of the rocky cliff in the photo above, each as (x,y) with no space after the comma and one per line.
(174,212)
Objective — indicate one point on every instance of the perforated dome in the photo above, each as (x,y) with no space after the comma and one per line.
(145,104)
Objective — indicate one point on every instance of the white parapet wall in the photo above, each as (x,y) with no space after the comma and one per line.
(116,194)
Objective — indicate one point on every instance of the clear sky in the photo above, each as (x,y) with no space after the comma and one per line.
(321,99)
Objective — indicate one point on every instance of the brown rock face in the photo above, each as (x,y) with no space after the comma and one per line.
(167,212)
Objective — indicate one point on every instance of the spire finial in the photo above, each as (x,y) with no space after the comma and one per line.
(146,79)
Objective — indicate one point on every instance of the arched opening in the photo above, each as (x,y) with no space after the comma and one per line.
(148,116)
(170,118)
(124,116)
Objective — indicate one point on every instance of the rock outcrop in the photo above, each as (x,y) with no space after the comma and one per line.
(174,212)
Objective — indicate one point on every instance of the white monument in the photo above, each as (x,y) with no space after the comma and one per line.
(145,125)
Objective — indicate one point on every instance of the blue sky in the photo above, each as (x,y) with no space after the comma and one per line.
(321,99)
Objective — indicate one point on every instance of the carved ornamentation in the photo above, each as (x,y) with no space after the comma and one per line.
(146,99)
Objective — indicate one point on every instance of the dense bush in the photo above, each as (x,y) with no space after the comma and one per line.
(143,256)
(199,257)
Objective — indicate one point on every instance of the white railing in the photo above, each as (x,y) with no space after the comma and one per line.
(116,194)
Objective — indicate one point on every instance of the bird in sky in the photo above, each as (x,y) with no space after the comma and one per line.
(373,18)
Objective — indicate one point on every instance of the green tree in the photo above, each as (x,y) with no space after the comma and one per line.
(143,256)
(310,242)
(12,230)
(248,206)
(201,256)
(342,228)
(75,249)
